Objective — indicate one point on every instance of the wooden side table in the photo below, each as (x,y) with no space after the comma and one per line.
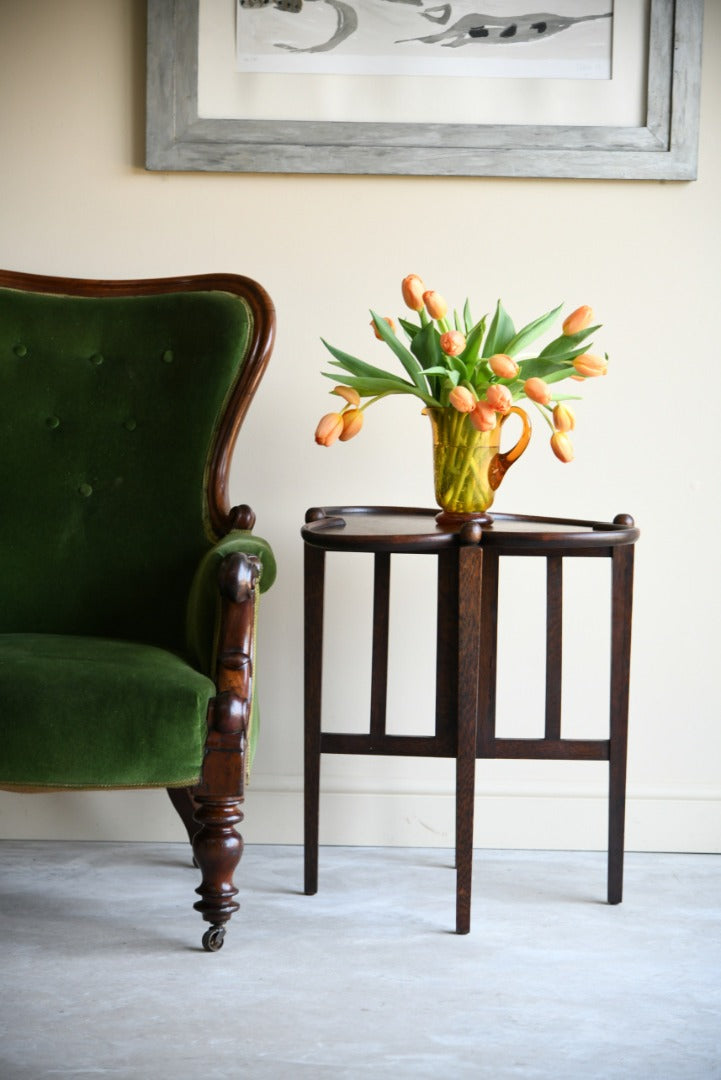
(465,723)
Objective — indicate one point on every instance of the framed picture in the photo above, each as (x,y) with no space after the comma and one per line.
(214,105)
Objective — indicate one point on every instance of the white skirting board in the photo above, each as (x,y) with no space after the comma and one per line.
(529,817)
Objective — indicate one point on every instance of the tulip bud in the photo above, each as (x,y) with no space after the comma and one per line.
(436,306)
(589,365)
(462,399)
(537,390)
(483,417)
(329,429)
(561,446)
(352,423)
(453,342)
(503,366)
(564,418)
(499,398)
(351,396)
(578,320)
(413,288)
(387,319)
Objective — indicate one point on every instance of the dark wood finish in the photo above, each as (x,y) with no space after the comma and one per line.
(487,660)
(216,845)
(446,653)
(217,848)
(211,810)
(379,666)
(469,564)
(415,530)
(185,806)
(466,655)
(621,611)
(554,645)
(313,645)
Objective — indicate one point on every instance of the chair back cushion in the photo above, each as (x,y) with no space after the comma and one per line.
(109,410)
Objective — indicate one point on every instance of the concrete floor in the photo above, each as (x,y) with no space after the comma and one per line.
(102,974)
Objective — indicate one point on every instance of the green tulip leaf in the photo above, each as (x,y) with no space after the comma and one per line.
(538,368)
(500,332)
(427,350)
(410,328)
(376,387)
(469,356)
(467,317)
(359,367)
(388,380)
(407,359)
(529,333)
(437,371)
(557,376)
(567,342)
(426,347)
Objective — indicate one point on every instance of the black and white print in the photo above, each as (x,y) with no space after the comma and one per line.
(482,38)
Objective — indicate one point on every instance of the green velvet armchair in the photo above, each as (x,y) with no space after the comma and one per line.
(128,585)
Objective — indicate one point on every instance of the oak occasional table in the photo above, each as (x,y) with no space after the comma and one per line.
(465,723)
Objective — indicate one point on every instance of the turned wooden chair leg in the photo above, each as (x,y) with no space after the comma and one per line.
(217,848)
(185,805)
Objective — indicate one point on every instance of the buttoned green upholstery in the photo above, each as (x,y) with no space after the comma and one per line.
(110,410)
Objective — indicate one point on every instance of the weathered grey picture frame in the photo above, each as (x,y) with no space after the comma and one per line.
(664,148)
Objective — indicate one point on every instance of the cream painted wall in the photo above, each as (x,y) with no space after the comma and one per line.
(76,200)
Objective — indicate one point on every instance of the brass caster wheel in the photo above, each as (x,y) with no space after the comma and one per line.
(213,938)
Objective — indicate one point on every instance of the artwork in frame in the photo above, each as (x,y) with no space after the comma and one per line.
(393,37)
(329,123)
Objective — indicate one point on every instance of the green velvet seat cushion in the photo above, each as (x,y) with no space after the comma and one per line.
(81,712)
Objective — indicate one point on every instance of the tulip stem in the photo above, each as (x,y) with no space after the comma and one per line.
(544,411)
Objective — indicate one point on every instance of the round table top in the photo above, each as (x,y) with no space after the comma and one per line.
(414,529)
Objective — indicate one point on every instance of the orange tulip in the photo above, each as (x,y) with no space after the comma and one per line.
(351,396)
(453,342)
(352,423)
(499,398)
(503,366)
(436,306)
(387,319)
(537,390)
(578,320)
(329,429)
(563,418)
(483,417)
(589,366)
(462,399)
(413,288)
(561,446)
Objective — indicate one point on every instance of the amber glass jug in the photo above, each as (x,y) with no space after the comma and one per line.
(468,465)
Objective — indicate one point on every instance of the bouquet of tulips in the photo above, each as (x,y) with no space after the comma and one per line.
(476,368)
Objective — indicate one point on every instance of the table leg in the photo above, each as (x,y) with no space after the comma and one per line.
(379,664)
(487,661)
(554,645)
(621,606)
(314,581)
(470,562)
